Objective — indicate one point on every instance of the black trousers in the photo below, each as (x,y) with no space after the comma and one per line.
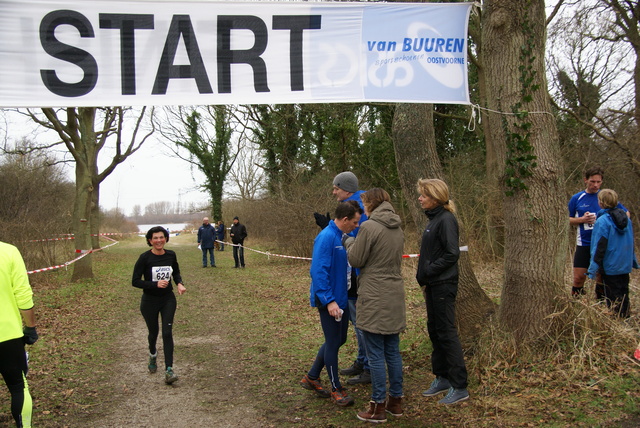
(13,367)
(238,255)
(616,293)
(447,359)
(165,306)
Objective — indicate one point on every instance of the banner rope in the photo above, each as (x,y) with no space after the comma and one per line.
(473,115)
(269,254)
(84,254)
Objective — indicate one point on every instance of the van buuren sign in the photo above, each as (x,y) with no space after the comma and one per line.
(138,52)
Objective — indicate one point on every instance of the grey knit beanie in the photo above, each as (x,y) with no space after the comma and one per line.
(346,181)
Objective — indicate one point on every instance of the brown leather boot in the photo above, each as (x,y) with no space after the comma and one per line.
(376,413)
(394,406)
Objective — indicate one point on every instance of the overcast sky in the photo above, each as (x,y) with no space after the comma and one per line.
(152,174)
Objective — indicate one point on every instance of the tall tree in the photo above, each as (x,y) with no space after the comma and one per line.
(76,128)
(416,157)
(298,141)
(277,130)
(596,63)
(524,137)
(205,134)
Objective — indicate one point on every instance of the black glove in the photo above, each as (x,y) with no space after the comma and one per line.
(321,220)
(346,238)
(30,335)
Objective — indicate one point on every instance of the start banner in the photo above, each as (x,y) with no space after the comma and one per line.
(74,53)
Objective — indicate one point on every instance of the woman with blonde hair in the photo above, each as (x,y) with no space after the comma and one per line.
(438,277)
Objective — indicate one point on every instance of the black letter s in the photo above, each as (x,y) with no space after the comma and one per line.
(71,54)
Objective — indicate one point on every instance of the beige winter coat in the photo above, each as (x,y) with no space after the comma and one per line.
(377,251)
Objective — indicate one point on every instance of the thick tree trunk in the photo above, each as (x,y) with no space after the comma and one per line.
(84,144)
(414,145)
(493,195)
(535,218)
(416,157)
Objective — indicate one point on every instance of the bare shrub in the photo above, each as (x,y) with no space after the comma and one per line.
(471,193)
(37,203)
(285,223)
(114,220)
(582,337)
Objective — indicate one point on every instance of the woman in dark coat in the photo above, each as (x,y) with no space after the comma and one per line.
(438,277)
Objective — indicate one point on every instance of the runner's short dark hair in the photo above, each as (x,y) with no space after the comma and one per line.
(156,229)
(594,170)
(348,209)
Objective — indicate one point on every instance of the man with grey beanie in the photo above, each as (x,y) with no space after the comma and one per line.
(345,188)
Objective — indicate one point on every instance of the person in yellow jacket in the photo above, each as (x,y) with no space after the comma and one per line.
(16,304)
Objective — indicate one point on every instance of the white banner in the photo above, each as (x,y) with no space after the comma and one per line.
(137,52)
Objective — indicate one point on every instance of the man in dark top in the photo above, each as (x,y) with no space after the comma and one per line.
(238,233)
(220,235)
(206,238)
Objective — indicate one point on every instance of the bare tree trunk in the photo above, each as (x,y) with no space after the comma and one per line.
(86,141)
(412,137)
(416,157)
(535,215)
(493,193)
(95,215)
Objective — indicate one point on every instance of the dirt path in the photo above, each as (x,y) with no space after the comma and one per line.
(193,401)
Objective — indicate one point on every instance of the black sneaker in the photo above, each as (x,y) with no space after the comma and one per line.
(354,370)
(364,377)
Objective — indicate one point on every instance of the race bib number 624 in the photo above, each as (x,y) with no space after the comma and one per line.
(159,273)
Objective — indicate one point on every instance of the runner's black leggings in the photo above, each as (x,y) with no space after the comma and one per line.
(13,366)
(165,306)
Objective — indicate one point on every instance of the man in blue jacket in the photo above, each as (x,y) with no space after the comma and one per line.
(345,188)
(613,252)
(583,208)
(206,238)
(328,292)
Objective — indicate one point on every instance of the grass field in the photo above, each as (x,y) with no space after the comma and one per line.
(250,333)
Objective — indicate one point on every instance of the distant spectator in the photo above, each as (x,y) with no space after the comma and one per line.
(613,252)
(221,234)
(206,238)
(238,234)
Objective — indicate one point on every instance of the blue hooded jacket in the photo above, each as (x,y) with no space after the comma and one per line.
(329,268)
(612,248)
